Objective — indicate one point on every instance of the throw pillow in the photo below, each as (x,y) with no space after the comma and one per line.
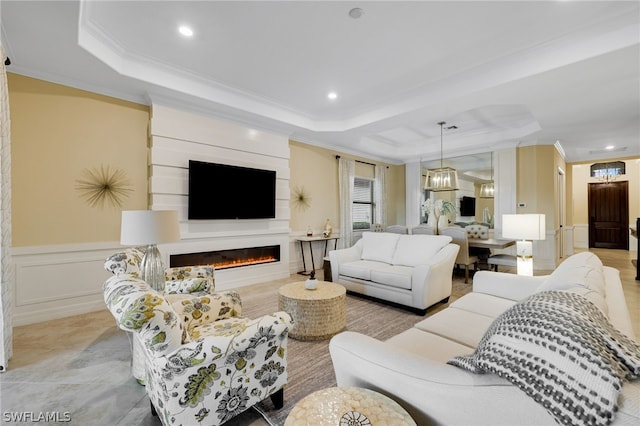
(559,349)
(188,285)
(414,250)
(379,246)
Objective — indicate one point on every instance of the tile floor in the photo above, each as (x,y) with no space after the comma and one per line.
(79,366)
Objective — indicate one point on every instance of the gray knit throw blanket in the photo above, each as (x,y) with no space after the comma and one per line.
(561,350)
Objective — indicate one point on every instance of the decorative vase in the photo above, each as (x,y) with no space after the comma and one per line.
(328,229)
(309,232)
(443,222)
(311,283)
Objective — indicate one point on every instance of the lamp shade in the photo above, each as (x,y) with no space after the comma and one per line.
(145,227)
(442,179)
(487,190)
(523,226)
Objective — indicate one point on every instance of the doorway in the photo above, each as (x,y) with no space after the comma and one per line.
(608,205)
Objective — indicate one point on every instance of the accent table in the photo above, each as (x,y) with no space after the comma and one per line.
(347,406)
(310,240)
(317,314)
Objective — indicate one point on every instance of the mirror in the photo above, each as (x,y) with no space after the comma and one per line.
(473,171)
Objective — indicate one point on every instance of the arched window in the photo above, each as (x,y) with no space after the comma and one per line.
(604,170)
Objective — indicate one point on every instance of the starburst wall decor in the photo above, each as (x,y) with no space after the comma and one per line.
(100,186)
(301,199)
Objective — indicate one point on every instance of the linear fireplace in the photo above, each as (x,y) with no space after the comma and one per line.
(226,259)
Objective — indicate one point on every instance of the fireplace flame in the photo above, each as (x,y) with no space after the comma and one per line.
(233,263)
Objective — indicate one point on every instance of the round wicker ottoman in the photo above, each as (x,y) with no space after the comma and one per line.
(348,406)
(317,314)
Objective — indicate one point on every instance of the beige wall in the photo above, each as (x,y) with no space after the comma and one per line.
(580,178)
(537,185)
(56,133)
(316,170)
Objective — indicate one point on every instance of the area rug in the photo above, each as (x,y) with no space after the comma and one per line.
(309,363)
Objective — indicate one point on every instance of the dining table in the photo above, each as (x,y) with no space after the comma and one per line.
(490,243)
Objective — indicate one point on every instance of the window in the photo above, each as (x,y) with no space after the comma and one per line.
(604,170)
(362,211)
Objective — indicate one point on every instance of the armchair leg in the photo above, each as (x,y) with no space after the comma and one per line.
(278,399)
(466,274)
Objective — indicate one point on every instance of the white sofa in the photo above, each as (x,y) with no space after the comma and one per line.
(410,270)
(412,367)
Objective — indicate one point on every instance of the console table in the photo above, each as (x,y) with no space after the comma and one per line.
(309,241)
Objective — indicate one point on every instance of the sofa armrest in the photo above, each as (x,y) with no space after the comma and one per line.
(345,255)
(357,357)
(507,286)
(433,280)
(426,388)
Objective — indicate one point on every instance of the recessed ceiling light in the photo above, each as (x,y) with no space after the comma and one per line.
(185,31)
(356,12)
(332,95)
(609,147)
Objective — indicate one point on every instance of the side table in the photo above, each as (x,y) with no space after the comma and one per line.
(339,406)
(317,314)
(310,241)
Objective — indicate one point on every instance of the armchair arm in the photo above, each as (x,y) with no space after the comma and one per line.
(248,363)
(508,286)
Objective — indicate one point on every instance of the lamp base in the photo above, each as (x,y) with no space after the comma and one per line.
(152,268)
(524,252)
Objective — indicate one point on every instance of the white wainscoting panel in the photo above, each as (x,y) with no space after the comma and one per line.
(581,236)
(59,281)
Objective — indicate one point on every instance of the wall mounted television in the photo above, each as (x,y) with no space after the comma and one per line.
(467,206)
(223,191)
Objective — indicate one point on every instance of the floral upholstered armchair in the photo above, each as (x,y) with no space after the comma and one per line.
(203,363)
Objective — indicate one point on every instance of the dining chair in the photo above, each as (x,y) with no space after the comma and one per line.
(459,237)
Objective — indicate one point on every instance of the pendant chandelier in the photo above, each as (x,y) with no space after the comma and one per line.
(487,189)
(443,178)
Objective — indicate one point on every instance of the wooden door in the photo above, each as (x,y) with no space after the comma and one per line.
(609,215)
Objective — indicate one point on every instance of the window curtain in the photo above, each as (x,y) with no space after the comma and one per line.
(6,271)
(346,179)
(380,195)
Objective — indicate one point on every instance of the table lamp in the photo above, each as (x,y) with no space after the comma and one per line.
(524,227)
(150,227)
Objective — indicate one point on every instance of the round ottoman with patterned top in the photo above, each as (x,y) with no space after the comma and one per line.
(348,406)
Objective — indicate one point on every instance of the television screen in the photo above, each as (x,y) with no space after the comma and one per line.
(222,191)
(467,206)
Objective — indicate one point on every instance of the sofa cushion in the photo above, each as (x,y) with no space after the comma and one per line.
(358,269)
(459,325)
(428,345)
(414,250)
(483,304)
(379,246)
(393,276)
